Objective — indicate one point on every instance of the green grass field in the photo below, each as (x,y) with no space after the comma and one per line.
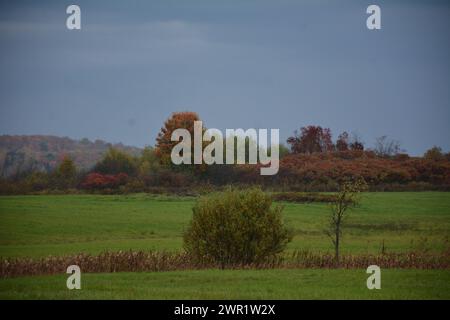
(235,284)
(37,226)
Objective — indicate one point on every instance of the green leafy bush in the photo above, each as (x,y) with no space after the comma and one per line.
(236,228)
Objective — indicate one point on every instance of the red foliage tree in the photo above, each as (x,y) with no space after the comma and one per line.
(311,139)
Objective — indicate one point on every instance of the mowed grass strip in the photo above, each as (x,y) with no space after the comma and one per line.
(38,226)
(235,284)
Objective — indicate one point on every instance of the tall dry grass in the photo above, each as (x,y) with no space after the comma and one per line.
(142,261)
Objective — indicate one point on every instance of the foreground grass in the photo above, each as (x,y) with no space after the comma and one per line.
(36,226)
(235,284)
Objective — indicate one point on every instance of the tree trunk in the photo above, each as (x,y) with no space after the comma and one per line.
(336,245)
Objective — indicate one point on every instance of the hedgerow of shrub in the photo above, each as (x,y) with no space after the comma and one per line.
(236,227)
(302,197)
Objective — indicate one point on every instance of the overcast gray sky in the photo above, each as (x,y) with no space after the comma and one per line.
(260,64)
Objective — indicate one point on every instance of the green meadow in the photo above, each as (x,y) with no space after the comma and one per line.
(38,226)
(235,284)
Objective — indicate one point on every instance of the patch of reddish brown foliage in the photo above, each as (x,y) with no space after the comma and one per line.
(375,170)
(323,172)
(104,181)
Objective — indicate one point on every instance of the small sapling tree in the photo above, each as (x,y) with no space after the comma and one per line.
(348,197)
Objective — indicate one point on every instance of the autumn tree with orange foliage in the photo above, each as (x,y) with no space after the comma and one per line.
(164,144)
(178,120)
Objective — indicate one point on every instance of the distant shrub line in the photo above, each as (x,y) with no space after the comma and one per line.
(119,173)
(290,193)
(153,261)
(301,197)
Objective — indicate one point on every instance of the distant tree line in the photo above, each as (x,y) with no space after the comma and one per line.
(313,162)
